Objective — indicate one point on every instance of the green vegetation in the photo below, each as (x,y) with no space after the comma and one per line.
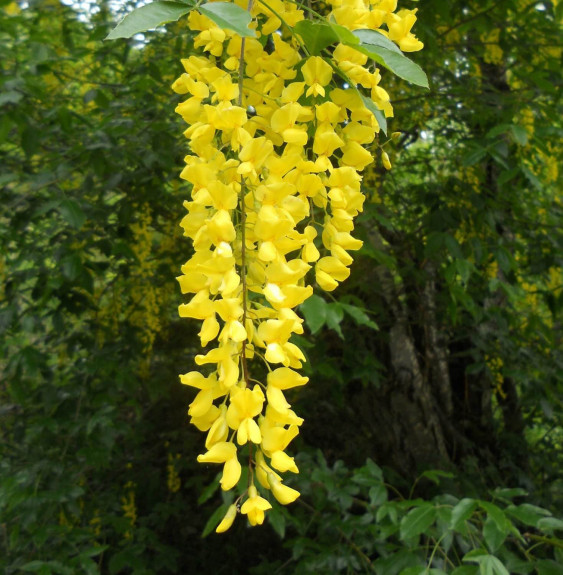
(439,359)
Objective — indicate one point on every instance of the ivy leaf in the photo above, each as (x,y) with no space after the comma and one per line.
(384,52)
(148,17)
(229,16)
(417,520)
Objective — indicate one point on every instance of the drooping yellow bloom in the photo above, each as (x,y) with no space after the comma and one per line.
(226,453)
(227,520)
(245,406)
(317,74)
(400,31)
(254,507)
(275,152)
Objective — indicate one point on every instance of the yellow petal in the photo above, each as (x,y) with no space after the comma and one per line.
(219,453)
(231,474)
(227,520)
(202,403)
(283,462)
(282,493)
(285,378)
(276,399)
(209,330)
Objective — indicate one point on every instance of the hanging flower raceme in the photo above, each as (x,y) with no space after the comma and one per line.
(276,148)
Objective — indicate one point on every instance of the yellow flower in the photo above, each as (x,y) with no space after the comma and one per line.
(269,171)
(226,453)
(254,507)
(316,73)
(244,407)
(227,520)
(400,31)
(253,155)
(329,272)
(284,494)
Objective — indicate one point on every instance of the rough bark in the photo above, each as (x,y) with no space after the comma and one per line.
(408,427)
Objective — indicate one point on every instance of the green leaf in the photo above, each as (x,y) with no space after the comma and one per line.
(384,52)
(32,566)
(215,519)
(374,38)
(374,469)
(534,180)
(148,17)
(519,134)
(548,567)
(417,520)
(316,35)
(497,515)
(344,35)
(474,154)
(466,570)
(378,495)
(126,559)
(494,537)
(462,512)
(550,524)
(491,565)
(72,213)
(277,521)
(334,316)
(488,564)
(453,246)
(93,551)
(208,492)
(359,315)
(464,269)
(475,555)
(379,115)
(435,474)
(527,514)
(229,16)
(315,311)
(497,131)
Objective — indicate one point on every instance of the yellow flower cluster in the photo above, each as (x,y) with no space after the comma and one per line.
(172,476)
(276,151)
(129,507)
(146,310)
